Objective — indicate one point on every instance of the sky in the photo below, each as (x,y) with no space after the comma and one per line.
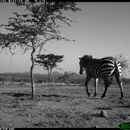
(100,29)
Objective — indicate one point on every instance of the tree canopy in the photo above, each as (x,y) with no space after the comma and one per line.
(49,62)
(39,25)
(32,30)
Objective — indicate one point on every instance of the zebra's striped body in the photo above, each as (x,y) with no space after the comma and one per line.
(105,68)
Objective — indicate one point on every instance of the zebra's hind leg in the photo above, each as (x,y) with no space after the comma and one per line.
(106,87)
(86,84)
(95,86)
(118,79)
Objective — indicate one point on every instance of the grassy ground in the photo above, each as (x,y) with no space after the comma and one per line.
(62,106)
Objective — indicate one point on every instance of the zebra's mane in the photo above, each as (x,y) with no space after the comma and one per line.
(87,57)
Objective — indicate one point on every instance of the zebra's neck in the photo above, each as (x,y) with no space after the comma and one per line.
(92,64)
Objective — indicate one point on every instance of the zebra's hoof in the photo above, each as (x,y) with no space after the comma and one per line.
(102,97)
(95,95)
(89,95)
(121,97)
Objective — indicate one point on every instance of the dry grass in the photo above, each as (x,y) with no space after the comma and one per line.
(61,107)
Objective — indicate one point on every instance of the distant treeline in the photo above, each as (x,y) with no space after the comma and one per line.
(40,78)
(56,77)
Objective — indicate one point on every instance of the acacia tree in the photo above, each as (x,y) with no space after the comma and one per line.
(49,62)
(35,28)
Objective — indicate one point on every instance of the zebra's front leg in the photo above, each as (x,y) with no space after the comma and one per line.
(86,84)
(106,87)
(95,86)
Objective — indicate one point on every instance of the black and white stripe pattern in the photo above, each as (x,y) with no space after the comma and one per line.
(105,68)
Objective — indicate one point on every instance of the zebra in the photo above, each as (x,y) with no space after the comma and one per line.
(105,68)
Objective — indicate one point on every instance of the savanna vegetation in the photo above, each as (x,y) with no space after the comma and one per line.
(66,78)
(62,106)
(63,103)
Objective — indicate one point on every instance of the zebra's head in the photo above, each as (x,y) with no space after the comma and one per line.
(83,62)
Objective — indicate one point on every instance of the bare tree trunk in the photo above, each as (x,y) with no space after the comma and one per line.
(31,73)
(49,77)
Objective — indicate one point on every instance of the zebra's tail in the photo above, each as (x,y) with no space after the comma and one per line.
(118,67)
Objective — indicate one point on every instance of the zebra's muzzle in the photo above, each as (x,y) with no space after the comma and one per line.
(81,71)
